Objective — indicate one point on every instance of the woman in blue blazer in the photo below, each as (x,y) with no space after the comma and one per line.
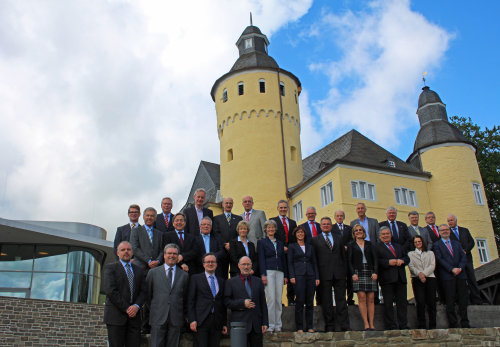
(272,266)
(303,273)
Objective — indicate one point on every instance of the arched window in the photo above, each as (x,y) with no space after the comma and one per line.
(241,88)
(282,89)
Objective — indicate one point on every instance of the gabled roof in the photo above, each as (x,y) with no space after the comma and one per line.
(208,178)
(487,270)
(355,149)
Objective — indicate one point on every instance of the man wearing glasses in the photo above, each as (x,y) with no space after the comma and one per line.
(123,232)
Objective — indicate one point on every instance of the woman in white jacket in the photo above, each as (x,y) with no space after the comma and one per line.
(422,265)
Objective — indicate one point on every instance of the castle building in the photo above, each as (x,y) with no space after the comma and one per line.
(258,124)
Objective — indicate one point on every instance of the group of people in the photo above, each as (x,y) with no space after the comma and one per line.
(192,267)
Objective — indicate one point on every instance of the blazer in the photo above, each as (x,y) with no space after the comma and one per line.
(189,249)
(309,232)
(257,220)
(432,235)
(236,251)
(302,263)
(424,262)
(166,301)
(201,301)
(122,234)
(234,298)
(160,223)
(403,234)
(355,257)
(192,225)
(388,274)
(280,230)
(332,263)
(446,262)
(216,247)
(466,240)
(346,233)
(271,258)
(117,290)
(226,231)
(142,247)
(373,228)
(424,232)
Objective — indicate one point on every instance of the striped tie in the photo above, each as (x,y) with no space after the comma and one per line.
(130,277)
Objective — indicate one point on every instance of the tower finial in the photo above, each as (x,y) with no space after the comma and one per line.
(423,78)
(251,22)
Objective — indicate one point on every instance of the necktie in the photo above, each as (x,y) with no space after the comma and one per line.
(228,217)
(341,227)
(212,285)
(150,234)
(435,231)
(206,240)
(313,228)
(394,231)
(286,228)
(169,276)
(248,288)
(247,216)
(181,239)
(133,226)
(393,251)
(166,220)
(327,239)
(130,277)
(449,247)
(455,230)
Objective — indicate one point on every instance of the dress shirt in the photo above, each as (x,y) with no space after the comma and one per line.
(215,281)
(135,225)
(329,236)
(415,228)
(245,245)
(395,225)
(179,235)
(249,214)
(199,213)
(435,230)
(173,273)
(448,245)
(206,240)
(364,224)
(131,270)
(455,231)
(168,217)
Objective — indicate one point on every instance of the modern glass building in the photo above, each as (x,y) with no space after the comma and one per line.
(52,260)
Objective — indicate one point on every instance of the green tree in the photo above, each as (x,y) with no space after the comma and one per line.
(487,143)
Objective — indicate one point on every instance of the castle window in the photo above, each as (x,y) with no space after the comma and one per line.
(293,153)
(282,89)
(326,193)
(297,211)
(405,196)
(478,195)
(482,248)
(224,95)
(295,96)
(248,43)
(230,154)
(262,85)
(241,88)
(363,190)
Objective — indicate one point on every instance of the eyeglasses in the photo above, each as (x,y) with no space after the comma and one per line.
(133,212)
(210,262)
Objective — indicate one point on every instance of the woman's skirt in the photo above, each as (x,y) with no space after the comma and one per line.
(365,282)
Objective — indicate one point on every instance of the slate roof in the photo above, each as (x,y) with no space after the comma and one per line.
(487,270)
(254,59)
(355,149)
(208,178)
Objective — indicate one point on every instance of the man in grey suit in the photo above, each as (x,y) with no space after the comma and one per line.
(167,285)
(369,224)
(256,218)
(146,242)
(415,230)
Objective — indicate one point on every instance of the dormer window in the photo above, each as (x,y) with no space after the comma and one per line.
(391,163)
(248,43)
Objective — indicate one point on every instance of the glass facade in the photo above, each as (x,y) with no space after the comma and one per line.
(51,272)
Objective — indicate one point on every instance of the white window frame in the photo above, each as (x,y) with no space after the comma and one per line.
(405,196)
(297,211)
(478,193)
(483,250)
(326,193)
(363,190)
(241,88)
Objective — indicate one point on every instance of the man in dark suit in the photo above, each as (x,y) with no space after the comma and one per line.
(392,260)
(167,288)
(196,212)
(125,290)
(224,227)
(430,219)
(463,236)
(208,242)
(311,227)
(207,314)
(399,230)
(284,232)
(164,220)
(345,232)
(244,296)
(332,263)
(146,242)
(188,249)
(451,261)
(123,232)
(369,224)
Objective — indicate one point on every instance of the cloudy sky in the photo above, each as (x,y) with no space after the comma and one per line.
(106,103)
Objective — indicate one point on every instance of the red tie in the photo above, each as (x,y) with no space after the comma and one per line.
(391,249)
(247,216)
(449,247)
(286,228)
(313,228)
(181,238)
(435,231)
(166,220)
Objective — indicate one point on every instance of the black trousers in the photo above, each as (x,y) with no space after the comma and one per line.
(290,293)
(255,339)
(305,287)
(340,304)
(128,335)
(208,334)
(456,290)
(389,292)
(425,297)
(474,292)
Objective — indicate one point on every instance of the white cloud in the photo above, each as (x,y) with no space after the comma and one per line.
(106,103)
(385,50)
